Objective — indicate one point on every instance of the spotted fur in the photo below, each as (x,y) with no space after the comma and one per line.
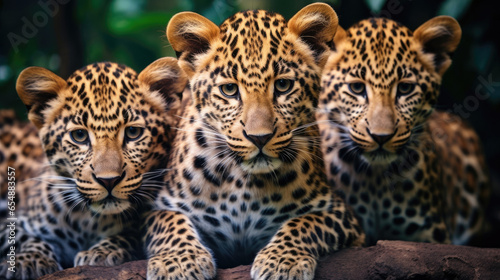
(21,150)
(106,132)
(409,172)
(246,183)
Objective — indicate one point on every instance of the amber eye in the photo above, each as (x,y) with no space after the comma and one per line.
(79,136)
(229,90)
(358,88)
(133,133)
(405,88)
(283,86)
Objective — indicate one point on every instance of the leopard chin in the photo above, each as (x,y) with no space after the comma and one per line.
(110,206)
(380,157)
(261,164)
(375,157)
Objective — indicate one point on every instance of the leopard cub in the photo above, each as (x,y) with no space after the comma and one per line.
(408,171)
(106,133)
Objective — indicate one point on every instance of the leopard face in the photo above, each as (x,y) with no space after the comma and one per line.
(256,100)
(400,164)
(105,129)
(382,83)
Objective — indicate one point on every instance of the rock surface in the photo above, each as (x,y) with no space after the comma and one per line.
(386,260)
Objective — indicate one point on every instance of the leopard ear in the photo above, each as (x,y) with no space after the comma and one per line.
(337,48)
(316,24)
(339,39)
(190,34)
(37,86)
(165,76)
(438,38)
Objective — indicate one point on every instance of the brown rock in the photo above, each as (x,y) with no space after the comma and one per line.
(135,270)
(386,260)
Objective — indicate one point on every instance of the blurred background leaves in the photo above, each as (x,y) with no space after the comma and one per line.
(132,32)
(375,5)
(454,8)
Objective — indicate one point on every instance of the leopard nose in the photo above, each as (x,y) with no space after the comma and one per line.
(109,182)
(259,140)
(381,139)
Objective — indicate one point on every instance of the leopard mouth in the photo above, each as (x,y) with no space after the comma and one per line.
(261,163)
(110,205)
(354,150)
(380,155)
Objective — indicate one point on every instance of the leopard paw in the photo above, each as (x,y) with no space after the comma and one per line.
(102,257)
(183,264)
(272,264)
(29,266)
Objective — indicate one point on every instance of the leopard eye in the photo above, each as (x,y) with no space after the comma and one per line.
(133,132)
(283,86)
(79,136)
(229,90)
(358,88)
(405,89)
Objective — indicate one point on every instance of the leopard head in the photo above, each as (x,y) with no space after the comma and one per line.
(255,79)
(105,127)
(382,81)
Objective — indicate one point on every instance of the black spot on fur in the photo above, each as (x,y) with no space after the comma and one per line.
(287,178)
(211,220)
(299,193)
(200,138)
(199,162)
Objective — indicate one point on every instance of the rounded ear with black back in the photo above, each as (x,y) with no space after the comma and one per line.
(339,39)
(316,25)
(37,86)
(439,37)
(337,47)
(190,34)
(165,76)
